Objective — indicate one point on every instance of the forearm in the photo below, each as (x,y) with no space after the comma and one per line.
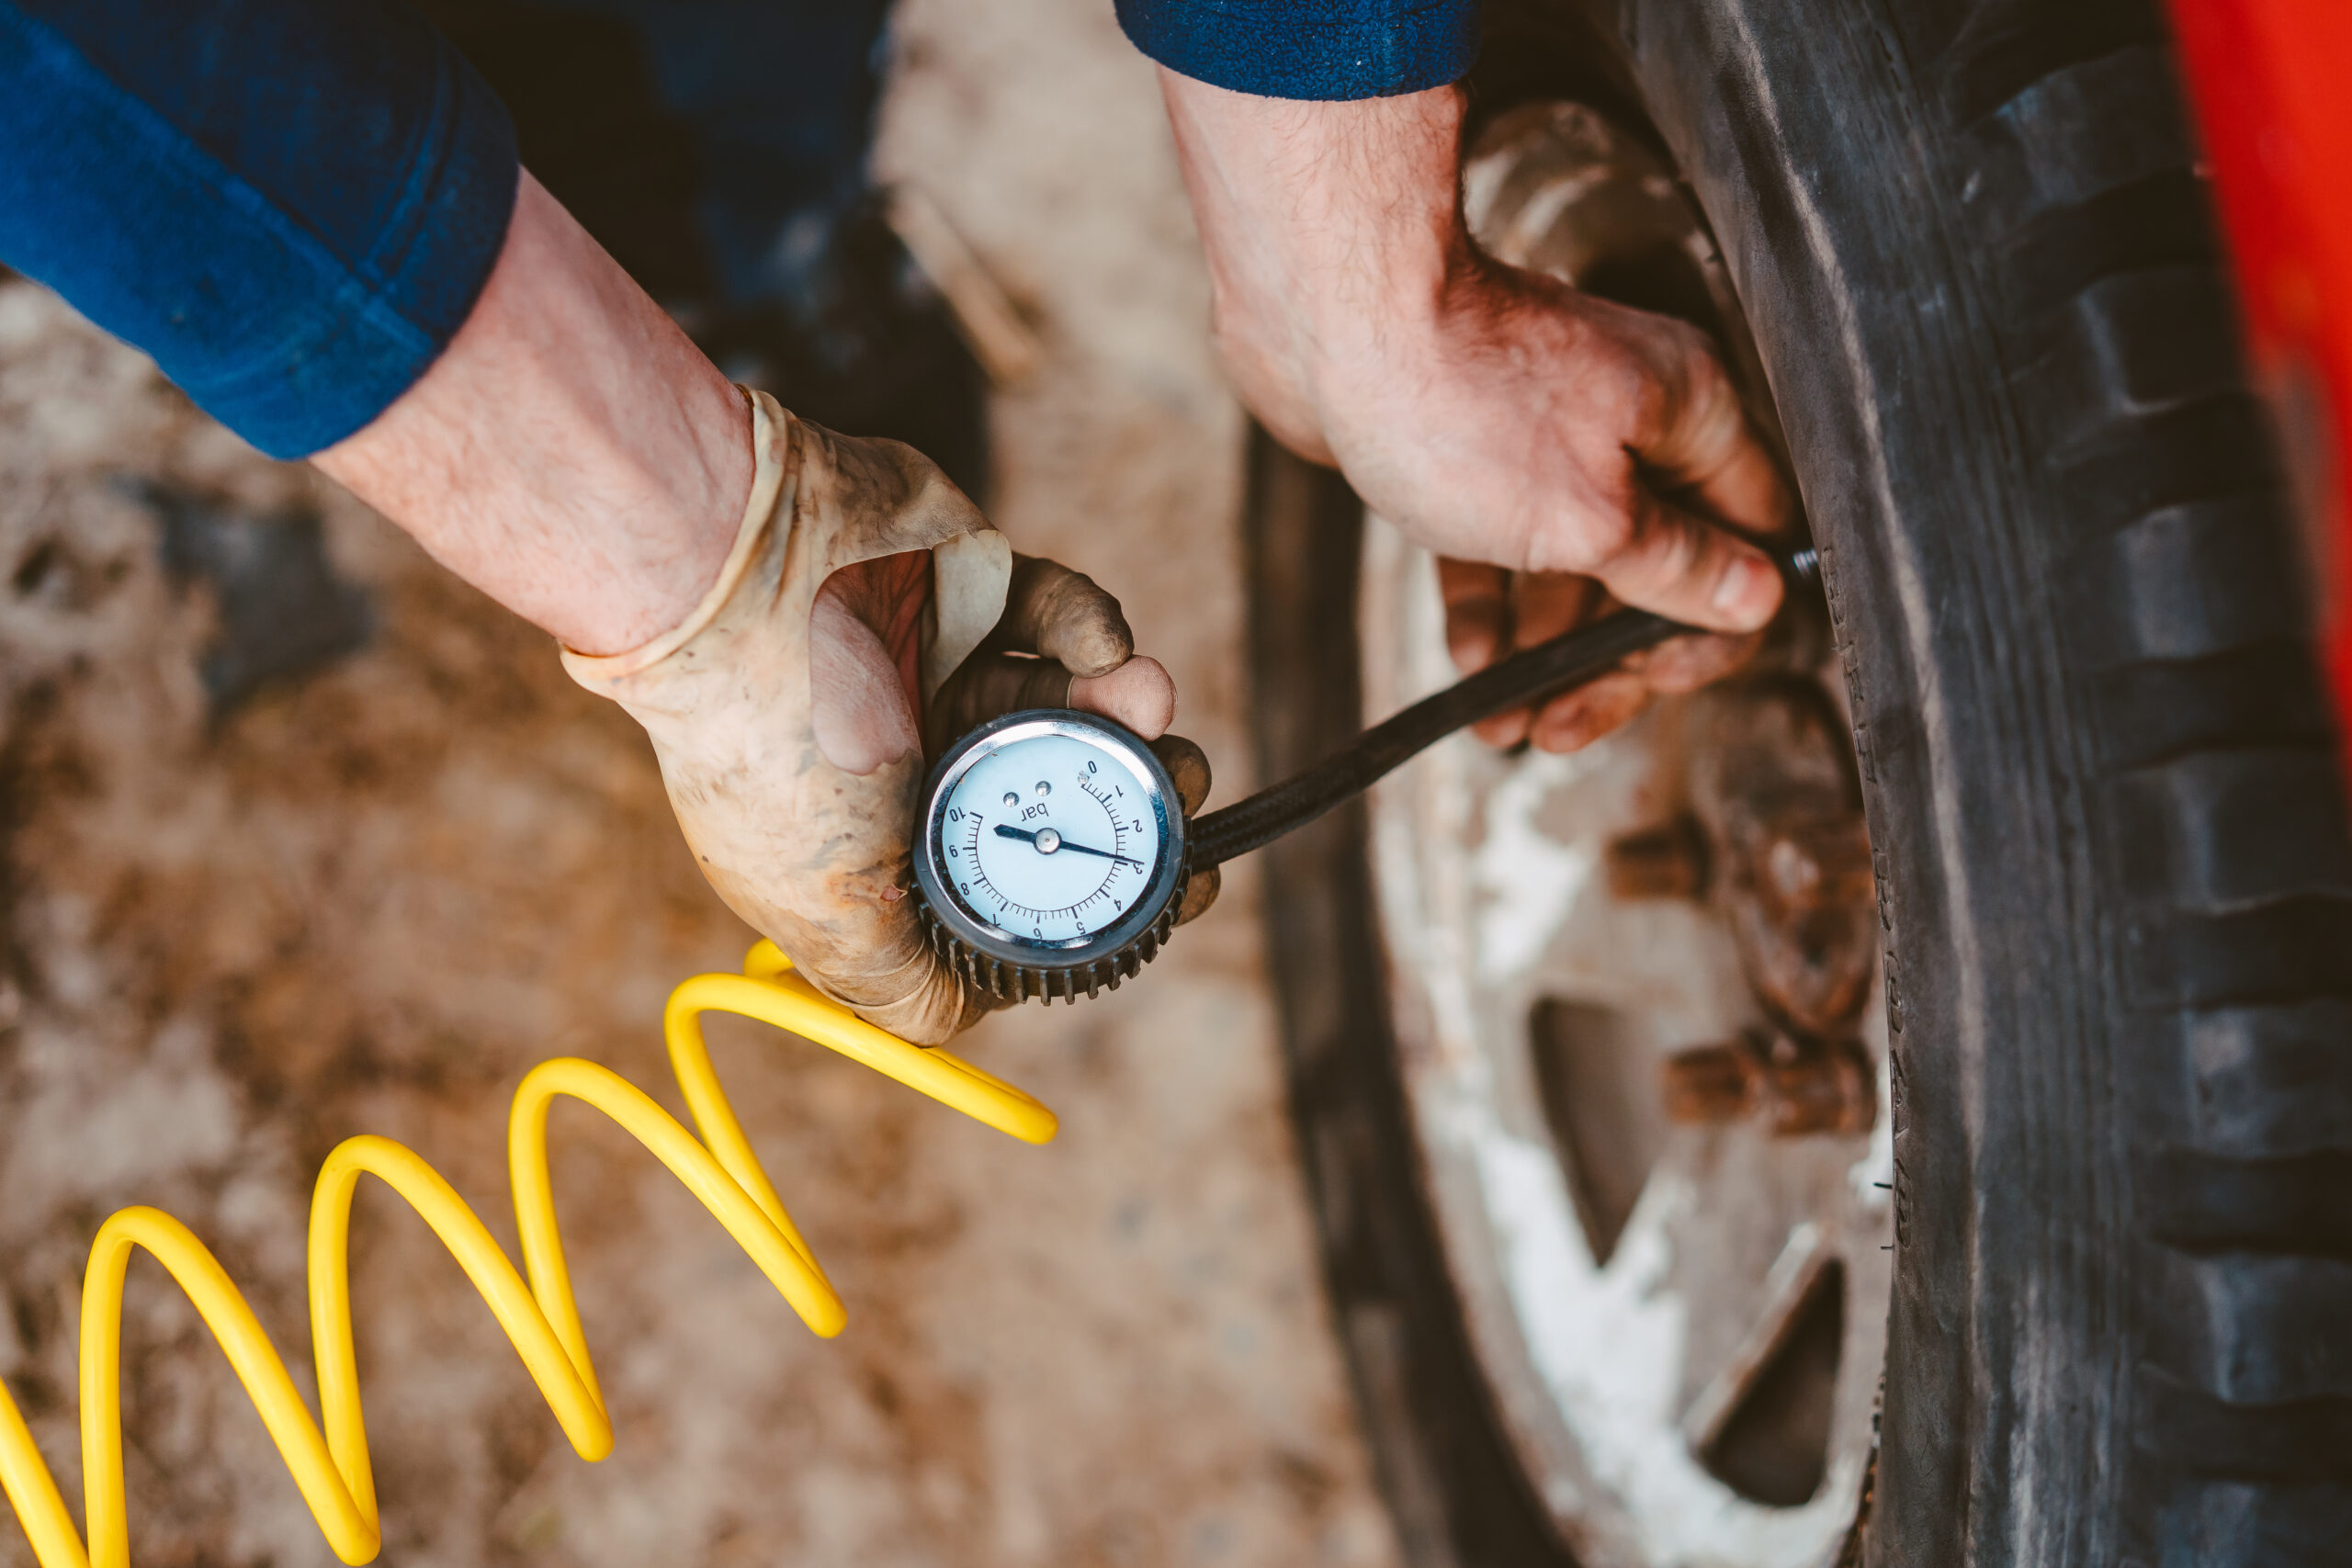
(313,218)
(571,453)
(292,207)
(1333,235)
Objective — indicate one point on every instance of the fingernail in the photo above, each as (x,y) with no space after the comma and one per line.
(1745,597)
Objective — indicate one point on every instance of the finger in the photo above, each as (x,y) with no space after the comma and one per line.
(1200,893)
(1478,632)
(1478,612)
(1563,720)
(1687,663)
(1677,565)
(1139,693)
(1506,728)
(1188,769)
(1061,614)
(989,685)
(1749,492)
(1573,720)
(1532,606)
(1709,447)
(1545,603)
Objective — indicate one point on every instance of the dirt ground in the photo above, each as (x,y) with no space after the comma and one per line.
(368,899)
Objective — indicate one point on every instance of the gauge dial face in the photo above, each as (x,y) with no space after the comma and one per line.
(1050,832)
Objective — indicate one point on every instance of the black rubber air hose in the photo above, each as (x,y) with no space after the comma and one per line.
(1548,669)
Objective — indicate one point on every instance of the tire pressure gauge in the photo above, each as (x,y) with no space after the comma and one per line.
(1051,856)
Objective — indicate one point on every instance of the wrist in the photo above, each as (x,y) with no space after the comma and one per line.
(572,452)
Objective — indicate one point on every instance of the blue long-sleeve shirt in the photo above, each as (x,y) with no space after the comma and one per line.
(292,205)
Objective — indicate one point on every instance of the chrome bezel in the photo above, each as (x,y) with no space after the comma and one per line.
(1125,750)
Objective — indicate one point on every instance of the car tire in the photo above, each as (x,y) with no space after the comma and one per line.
(2112,845)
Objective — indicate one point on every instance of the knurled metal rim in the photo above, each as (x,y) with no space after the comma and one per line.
(1012,982)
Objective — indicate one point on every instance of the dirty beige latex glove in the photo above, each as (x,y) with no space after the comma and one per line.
(1084,657)
(782,709)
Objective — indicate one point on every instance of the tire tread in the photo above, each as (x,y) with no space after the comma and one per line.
(2225,820)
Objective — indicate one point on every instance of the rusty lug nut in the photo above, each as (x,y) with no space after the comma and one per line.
(1817,865)
(1665,862)
(1797,1089)
(1825,1088)
(1710,1085)
(1794,870)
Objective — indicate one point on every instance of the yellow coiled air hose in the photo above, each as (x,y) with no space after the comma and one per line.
(540,1317)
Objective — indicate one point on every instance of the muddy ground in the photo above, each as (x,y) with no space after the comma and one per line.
(247,917)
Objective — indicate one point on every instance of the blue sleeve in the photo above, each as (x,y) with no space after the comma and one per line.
(1308,48)
(290,204)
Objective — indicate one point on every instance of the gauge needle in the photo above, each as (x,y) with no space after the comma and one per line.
(1059,843)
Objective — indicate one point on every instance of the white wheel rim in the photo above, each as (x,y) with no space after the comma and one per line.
(1487,872)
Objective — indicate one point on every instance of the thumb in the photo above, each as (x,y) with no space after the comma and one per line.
(1678,565)
(1703,445)
(1699,444)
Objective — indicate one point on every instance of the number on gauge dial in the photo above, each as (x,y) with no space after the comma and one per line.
(1041,842)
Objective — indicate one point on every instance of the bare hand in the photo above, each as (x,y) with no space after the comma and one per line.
(1592,455)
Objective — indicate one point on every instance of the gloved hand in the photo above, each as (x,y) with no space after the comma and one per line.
(864,588)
